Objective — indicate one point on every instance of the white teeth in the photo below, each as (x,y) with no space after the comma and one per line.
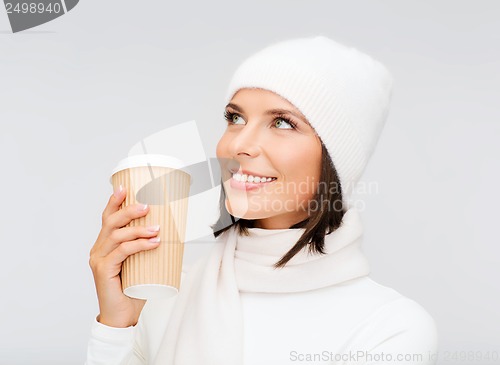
(251,178)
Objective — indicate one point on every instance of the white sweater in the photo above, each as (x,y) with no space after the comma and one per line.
(357,321)
(305,327)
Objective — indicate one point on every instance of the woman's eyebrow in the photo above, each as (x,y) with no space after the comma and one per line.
(269,112)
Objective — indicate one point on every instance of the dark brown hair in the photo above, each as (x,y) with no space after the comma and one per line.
(328,218)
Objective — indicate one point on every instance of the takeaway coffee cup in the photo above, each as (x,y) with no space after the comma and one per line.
(160,182)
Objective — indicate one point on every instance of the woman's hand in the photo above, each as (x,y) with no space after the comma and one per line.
(113,245)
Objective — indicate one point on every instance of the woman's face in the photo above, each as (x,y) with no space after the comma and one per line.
(260,141)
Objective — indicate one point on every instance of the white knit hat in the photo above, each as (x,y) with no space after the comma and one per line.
(343,93)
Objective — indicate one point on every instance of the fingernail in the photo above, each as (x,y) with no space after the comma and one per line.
(142,207)
(118,191)
(154,228)
(154,239)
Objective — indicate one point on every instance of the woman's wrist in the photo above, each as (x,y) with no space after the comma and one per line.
(116,323)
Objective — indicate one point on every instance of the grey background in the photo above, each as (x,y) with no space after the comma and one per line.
(77,92)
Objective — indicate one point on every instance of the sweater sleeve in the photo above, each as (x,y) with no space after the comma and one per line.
(114,346)
(133,345)
(400,332)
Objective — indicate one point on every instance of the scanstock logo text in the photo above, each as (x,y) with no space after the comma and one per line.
(27,14)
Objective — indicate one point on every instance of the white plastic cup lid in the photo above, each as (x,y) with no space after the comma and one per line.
(149,160)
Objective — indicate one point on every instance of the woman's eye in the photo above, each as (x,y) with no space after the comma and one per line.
(234,118)
(231,118)
(284,120)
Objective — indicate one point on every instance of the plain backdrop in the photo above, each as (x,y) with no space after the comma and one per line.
(78,92)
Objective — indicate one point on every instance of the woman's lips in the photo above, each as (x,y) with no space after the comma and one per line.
(247,172)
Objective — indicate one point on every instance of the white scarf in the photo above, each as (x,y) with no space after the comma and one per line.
(206,325)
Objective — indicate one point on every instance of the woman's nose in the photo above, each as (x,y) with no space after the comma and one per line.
(247,140)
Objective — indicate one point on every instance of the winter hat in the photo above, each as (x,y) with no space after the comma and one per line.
(343,93)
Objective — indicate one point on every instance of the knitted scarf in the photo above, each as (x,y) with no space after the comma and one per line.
(206,325)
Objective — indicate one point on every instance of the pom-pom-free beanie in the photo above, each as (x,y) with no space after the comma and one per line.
(343,93)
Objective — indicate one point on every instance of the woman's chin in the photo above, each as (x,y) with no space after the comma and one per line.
(242,211)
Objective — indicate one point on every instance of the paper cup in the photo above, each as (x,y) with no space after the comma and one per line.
(160,182)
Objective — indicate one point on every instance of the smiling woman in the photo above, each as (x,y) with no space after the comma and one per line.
(286,277)
(294,157)
(258,143)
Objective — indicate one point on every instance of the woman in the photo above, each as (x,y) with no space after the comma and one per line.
(286,281)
